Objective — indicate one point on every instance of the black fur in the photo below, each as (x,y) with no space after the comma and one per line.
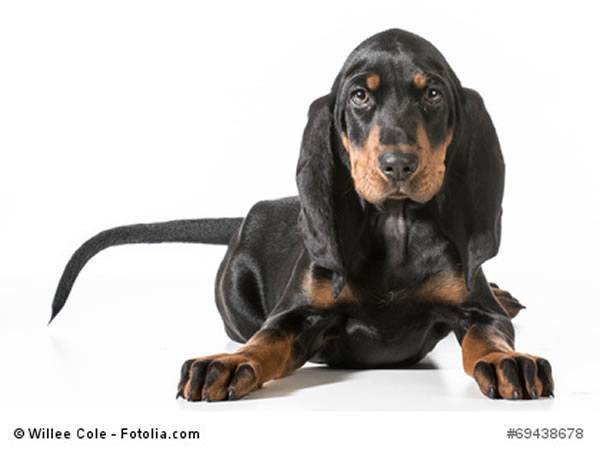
(208,231)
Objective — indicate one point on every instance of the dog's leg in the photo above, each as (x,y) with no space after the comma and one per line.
(500,372)
(284,343)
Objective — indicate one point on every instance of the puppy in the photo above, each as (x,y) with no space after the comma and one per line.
(400,180)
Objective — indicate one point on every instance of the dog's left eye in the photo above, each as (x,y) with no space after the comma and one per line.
(433,95)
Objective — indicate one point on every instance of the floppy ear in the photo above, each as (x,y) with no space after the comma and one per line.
(469,204)
(329,206)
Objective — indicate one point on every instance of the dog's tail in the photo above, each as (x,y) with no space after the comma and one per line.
(207,231)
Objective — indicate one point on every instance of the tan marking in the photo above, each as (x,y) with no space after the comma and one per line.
(419,80)
(320,292)
(480,341)
(272,354)
(443,287)
(373,82)
(371,183)
(506,302)
(428,179)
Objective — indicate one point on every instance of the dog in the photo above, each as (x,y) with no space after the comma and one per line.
(400,183)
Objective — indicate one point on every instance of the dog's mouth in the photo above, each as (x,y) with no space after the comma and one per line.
(397,194)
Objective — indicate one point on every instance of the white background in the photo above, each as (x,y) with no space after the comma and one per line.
(118,112)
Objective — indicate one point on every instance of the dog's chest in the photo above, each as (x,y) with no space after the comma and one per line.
(408,249)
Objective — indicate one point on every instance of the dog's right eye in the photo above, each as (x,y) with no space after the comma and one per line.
(360,97)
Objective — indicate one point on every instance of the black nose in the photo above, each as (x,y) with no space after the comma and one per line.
(398,166)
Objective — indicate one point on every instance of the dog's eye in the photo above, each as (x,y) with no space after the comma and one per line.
(433,95)
(360,97)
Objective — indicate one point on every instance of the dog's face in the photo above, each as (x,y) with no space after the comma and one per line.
(395,110)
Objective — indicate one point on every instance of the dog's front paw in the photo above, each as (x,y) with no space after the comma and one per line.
(512,375)
(227,376)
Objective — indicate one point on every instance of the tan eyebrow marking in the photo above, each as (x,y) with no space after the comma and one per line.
(419,80)
(373,82)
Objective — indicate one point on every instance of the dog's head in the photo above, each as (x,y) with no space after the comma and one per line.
(399,125)
(395,104)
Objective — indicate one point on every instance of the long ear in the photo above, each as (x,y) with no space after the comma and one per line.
(329,214)
(469,204)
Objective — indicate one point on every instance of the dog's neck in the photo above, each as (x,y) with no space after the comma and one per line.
(393,231)
(400,245)
(407,246)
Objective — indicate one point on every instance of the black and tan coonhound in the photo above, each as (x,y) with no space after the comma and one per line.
(400,181)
